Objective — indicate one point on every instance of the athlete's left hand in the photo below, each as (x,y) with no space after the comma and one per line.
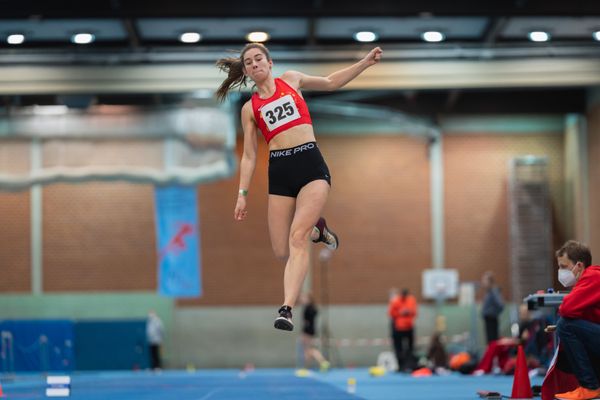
(239,213)
(374,56)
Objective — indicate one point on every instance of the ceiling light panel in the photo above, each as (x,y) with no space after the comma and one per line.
(59,30)
(558,27)
(83,38)
(190,37)
(433,36)
(538,36)
(365,36)
(258,36)
(15,38)
(404,28)
(230,29)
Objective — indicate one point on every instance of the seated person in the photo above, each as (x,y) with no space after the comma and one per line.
(497,352)
(503,352)
(536,342)
(436,354)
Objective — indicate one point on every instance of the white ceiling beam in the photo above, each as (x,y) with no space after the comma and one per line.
(170,78)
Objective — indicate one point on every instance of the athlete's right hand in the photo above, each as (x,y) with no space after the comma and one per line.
(240,212)
(374,56)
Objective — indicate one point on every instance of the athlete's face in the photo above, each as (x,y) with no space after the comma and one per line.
(256,65)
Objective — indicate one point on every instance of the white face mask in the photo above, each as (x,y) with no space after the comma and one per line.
(566,277)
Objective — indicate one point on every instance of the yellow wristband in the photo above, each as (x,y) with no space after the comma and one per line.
(243,192)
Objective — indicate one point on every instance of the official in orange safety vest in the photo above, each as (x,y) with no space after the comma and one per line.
(402,311)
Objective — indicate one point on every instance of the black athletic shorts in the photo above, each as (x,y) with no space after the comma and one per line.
(291,169)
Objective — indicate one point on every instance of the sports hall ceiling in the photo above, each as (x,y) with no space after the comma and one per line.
(147,32)
(153,25)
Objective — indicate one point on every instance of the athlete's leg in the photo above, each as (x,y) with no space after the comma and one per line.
(309,206)
(280,214)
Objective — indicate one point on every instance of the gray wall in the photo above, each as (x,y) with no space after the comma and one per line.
(226,337)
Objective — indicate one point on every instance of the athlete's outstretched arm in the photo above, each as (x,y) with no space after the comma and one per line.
(335,80)
(248,163)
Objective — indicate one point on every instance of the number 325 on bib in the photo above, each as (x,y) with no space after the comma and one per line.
(280,112)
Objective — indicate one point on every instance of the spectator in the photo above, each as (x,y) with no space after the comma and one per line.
(403,310)
(493,304)
(155,337)
(309,329)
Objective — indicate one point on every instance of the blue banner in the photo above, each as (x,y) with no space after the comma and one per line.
(178,239)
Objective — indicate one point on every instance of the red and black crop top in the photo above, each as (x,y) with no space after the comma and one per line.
(285,109)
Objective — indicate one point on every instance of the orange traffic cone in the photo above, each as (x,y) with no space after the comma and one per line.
(521,386)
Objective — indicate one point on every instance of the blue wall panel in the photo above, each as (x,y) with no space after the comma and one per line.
(36,345)
(111,345)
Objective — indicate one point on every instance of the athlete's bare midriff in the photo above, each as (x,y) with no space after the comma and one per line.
(292,137)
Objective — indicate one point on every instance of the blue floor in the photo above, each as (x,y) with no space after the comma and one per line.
(263,384)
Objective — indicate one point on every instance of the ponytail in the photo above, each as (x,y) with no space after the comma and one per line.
(235,76)
(234,66)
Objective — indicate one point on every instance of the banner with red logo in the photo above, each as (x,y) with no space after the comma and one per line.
(178,241)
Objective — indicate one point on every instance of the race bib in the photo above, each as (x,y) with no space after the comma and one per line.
(280,112)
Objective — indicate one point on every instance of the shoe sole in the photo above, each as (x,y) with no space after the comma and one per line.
(317,240)
(283,324)
(337,242)
(320,239)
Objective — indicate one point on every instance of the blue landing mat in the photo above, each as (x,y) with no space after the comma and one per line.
(180,385)
(261,384)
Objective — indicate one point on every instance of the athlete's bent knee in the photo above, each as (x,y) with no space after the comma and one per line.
(298,238)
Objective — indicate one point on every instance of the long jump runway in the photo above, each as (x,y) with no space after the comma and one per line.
(260,384)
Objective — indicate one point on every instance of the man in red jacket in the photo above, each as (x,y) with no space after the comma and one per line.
(579,326)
